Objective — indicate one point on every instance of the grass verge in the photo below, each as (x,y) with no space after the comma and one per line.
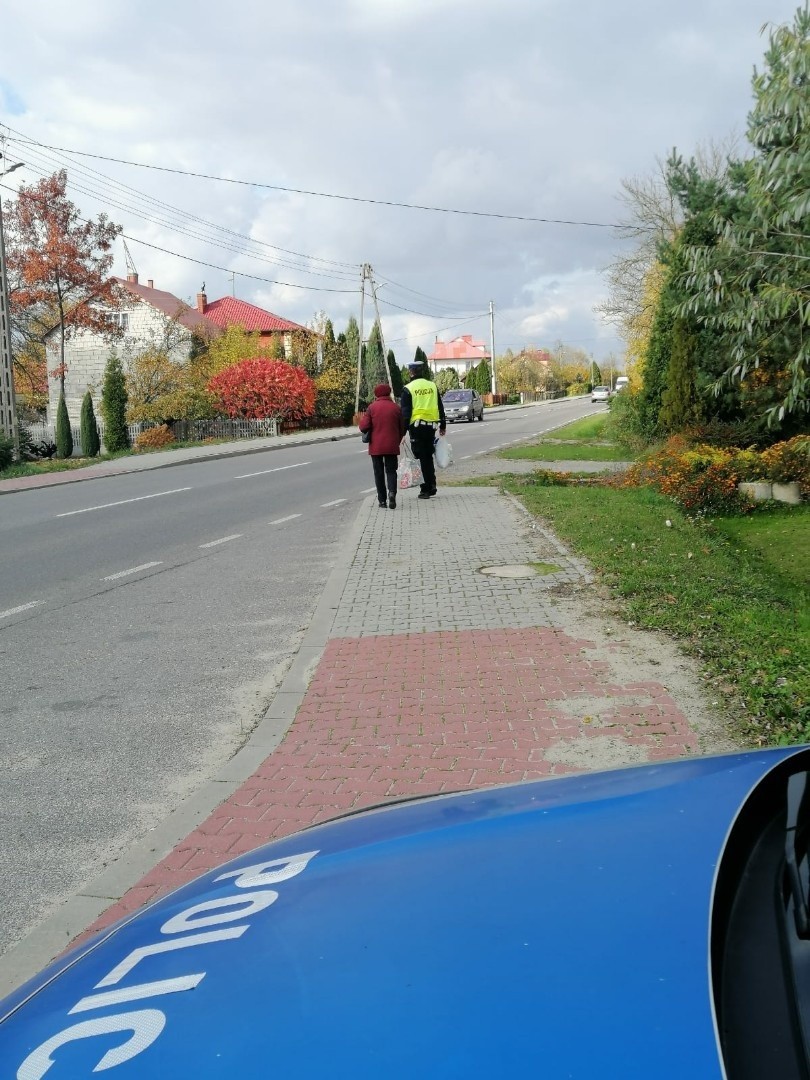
(582,440)
(36,468)
(740,612)
(52,465)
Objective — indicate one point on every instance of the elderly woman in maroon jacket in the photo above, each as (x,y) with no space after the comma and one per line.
(383,419)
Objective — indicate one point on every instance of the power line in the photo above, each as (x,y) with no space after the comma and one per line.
(427,315)
(440,329)
(325,194)
(224,269)
(205,236)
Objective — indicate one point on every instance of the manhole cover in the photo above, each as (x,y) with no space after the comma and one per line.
(513,570)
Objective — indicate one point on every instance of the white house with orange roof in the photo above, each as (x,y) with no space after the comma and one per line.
(462,353)
(143,316)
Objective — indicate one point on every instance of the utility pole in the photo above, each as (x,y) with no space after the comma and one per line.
(492,345)
(374,288)
(364,272)
(8,401)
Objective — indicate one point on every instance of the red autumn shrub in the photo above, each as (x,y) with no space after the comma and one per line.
(261,389)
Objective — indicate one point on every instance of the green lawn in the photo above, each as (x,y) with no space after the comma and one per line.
(724,590)
(779,537)
(49,465)
(582,440)
(567,451)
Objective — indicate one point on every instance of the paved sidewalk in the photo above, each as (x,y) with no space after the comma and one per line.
(421,674)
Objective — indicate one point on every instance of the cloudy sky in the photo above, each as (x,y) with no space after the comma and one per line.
(530,108)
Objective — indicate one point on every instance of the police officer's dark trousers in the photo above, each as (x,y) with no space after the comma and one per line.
(422,436)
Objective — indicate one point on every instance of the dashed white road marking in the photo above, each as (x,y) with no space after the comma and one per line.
(367,491)
(264,472)
(334,502)
(280,521)
(132,570)
(17,610)
(122,502)
(222,540)
(464,458)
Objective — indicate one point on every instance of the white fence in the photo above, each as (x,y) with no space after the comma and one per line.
(184,431)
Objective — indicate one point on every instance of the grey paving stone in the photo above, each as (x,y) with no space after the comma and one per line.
(391,587)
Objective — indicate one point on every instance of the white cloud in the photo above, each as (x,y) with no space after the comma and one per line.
(534,108)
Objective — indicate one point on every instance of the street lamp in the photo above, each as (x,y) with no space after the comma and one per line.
(8,403)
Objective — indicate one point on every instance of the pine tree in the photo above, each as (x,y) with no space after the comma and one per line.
(352,338)
(64,436)
(679,406)
(91,444)
(420,357)
(114,405)
(374,367)
(394,375)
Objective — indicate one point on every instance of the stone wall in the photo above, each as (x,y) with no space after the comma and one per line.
(86,356)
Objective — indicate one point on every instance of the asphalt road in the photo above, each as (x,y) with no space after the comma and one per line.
(145,621)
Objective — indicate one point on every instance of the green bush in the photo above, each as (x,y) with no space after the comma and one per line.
(91,444)
(626,423)
(6,451)
(64,436)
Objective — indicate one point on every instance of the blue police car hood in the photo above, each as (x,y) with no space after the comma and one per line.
(554,928)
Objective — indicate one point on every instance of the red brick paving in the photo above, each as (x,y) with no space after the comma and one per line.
(391,716)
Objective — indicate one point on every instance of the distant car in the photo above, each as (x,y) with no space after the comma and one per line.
(641,922)
(621,383)
(600,393)
(463,405)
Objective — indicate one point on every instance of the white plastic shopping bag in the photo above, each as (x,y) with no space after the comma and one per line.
(443,452)
(404,476)
(409,471)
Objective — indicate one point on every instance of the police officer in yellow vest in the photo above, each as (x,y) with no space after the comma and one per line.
(423,413)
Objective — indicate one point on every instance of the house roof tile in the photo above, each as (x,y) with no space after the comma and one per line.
(169,304)
(460,348)
(232,312)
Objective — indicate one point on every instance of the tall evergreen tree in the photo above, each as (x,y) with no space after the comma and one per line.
(328,341)
(114,405)
(91,444)
(394,374)
(420,357)
(64,436)
(374,365)
(352,337)
(679,405)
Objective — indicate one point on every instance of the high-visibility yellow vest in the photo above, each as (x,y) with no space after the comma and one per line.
(425,399)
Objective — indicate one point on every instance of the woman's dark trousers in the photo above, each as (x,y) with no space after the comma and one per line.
(385,469)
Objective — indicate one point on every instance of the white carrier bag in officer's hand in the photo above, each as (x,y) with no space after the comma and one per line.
(409,471)
(443,452)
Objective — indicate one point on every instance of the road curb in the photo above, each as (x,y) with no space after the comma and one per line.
(81,475)
(56,932)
